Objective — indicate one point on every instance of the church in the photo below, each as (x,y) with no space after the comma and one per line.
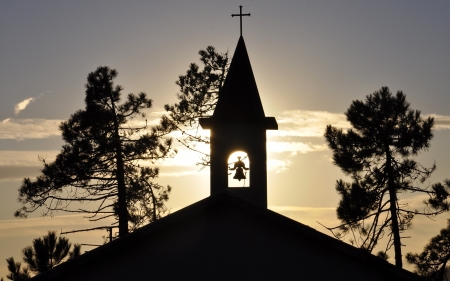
(231,235)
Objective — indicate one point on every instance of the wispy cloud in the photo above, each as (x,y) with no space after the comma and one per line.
(294,127)
(20,129)
(30,223)
(185,173)
(16,165)
(442,122)
(25,158)
(304,123)
(294,123)
(307,123)
(297,147)
(278,165)
(22,105)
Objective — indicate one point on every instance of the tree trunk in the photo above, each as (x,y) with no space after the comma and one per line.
(393,209)
(121,188)
(121,194)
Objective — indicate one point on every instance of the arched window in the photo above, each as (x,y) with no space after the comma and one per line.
(238,170)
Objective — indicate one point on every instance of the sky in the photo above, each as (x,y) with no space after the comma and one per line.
(310,59)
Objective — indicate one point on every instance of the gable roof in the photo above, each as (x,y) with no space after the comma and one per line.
(219,211)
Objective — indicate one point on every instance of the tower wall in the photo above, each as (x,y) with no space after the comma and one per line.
(252,140)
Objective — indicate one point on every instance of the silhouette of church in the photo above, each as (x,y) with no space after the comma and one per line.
(230,235)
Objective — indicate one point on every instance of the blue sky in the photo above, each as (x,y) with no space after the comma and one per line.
(310,60)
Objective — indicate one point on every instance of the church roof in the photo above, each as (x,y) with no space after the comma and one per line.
(224,236)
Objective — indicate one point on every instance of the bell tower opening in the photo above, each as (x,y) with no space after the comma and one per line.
(238,170)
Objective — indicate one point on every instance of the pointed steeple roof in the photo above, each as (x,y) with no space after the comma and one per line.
(239,99)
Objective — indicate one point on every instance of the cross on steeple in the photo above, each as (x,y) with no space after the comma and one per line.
(240,15)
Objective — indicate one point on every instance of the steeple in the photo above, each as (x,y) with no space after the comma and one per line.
(239,94)
(239,124)
(239,101)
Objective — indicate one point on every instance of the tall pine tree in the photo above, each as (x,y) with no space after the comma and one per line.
(377,153)
(99,162)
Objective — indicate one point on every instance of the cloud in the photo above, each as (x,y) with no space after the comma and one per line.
(442,122)
(293,126)
(184,158)
(19,158)
(18,173)
(278,166)
(16,165)
(296,147)
(304,123)
(184,173)
(23,104)
(8,226)
(20,129)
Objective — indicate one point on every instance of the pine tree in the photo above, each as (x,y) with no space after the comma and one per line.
(100,161)
(433,261)
(45,253)
(49,251)
(377,153)
(16,271)
(199,92)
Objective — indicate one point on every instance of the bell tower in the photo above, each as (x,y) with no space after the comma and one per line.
(239,124)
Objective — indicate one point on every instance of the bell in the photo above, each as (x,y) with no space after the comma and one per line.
(239,174)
